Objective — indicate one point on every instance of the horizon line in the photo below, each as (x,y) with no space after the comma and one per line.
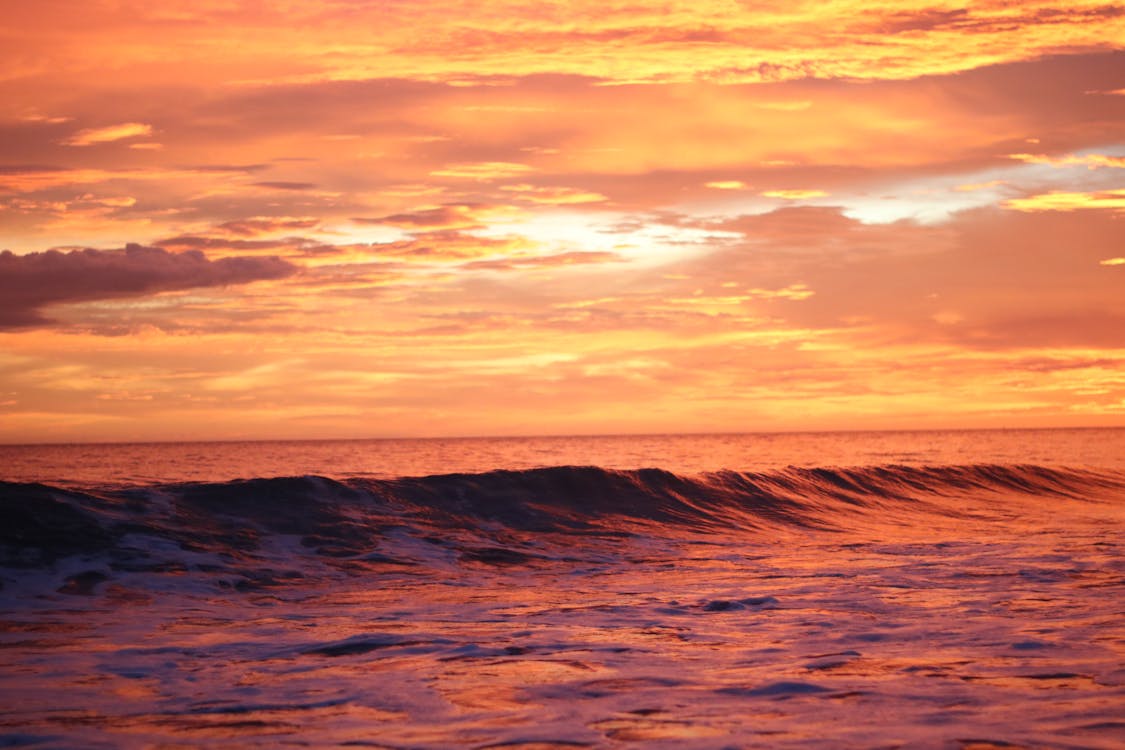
(705,433)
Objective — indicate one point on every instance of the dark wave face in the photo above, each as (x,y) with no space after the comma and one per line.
(354,519)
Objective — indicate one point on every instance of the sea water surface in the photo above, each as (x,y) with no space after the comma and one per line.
(836,590)
(146,463)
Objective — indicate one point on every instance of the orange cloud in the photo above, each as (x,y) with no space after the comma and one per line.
(1093,161)
(490,170)
(794,195)
(284,185)
(557,260)
(793,292)
(554,196)
(108,134)
(973,187)
(34,177)
(256,226)
(452,216)
(619,41)
(449,246)
(1067,201)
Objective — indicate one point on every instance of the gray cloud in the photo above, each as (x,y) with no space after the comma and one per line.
(226,168)
(29,283)
(285,185)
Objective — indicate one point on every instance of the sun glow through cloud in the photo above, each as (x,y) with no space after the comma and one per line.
(247,220)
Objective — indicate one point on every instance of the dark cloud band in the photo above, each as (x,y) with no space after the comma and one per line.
(29,283)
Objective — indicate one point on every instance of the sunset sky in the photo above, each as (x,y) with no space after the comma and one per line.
(349,218)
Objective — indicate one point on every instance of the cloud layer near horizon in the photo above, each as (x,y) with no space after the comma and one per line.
(559,217)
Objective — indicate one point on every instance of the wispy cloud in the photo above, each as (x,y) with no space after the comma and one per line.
(285,185)
(1093,161)
(794,195)
(452,216)
(490,170)
(553,195)
(108,134)
(1070,201)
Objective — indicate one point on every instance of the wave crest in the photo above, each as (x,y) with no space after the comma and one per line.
(347,519)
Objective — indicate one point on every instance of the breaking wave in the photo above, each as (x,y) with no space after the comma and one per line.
(498,517)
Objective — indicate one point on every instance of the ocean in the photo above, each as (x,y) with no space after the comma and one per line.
(957,589)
